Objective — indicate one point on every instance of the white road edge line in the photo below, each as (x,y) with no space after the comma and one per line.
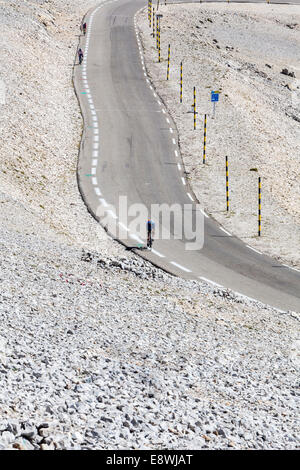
(210,282)
(124,226)
(157,253)
(294,269)
(135,237)
(253,249)
(180,267)
(225,231)
(111,213)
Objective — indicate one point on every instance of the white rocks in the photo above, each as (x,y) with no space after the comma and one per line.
(23,444)
(7,438)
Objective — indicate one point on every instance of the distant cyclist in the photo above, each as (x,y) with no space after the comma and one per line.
(150,232)
(80,56)
(84,28)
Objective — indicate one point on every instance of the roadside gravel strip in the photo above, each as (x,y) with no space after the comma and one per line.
(98,349)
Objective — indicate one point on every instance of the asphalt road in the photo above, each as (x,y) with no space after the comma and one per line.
(130,148)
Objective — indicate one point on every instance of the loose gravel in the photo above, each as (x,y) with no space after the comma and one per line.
(100,353)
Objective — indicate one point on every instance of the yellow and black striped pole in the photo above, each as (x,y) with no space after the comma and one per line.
(168,68)
(153,22)
(150,13)
(158,41)
(227,186)
(259,206)
(194,106)
(204,141)
(180,82)
(156,32)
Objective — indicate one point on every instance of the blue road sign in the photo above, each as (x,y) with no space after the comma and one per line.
(214,96)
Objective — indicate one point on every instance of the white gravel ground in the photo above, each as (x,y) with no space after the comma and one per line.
(99,350)
(239,49)
(114,354)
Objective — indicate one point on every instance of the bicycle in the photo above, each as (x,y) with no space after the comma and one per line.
(150,232)
(149,240)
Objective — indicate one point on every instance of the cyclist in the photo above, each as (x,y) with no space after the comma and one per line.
(150,232)
(84,28)
(80,55)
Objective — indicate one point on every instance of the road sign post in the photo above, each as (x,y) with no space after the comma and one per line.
(214,97)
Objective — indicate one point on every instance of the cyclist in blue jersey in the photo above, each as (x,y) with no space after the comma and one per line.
(150,233)
(80,56)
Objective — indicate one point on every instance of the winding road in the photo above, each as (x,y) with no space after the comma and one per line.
(130,148)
